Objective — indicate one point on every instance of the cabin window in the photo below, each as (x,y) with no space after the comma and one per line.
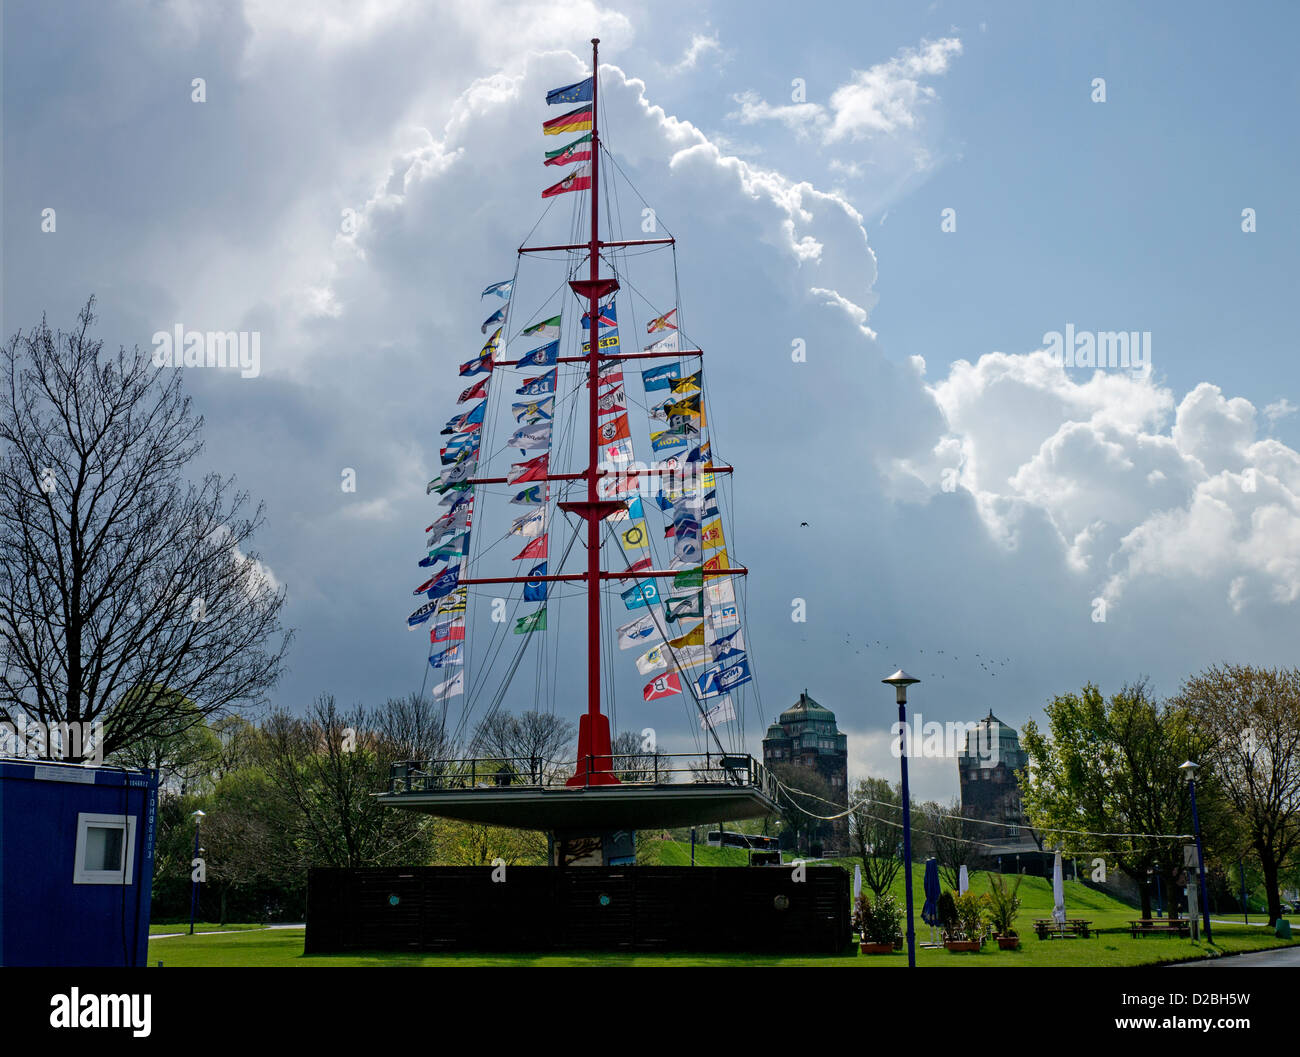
(105,850)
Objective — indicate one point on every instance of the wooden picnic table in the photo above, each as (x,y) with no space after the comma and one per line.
(1048,928)
(1159,926)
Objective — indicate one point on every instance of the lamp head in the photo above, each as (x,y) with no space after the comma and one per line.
(1189,768)
(198,816)
(900,681)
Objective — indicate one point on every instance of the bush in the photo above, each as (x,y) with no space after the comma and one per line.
(879,922)
(1003,904)
(948,920)
(970,915)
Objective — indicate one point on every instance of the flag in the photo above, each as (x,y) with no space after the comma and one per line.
(689,577)
(448,631)
(635,538)
(532,470)
(492,344)
(578,150)
(650,660)
(530,524)
(578,180)
(449,656)
(530,496)
(619,451)
(610,374)
(451,688)
(531,438)
(611,400)
(534,410)
(694,637)
(578,120)
(678,607)
(717,562)
(662,686)
(499,316)
(531,622)
(478,389)
(614,429)
(719,592)
(664,322)
(606,316)
(640,567)
(721,616)
(541,385)
(446,583)
(479,364)
(661,377)
(455,502)
(668,343)
(547,328)
(685,385)
(543,356)
(421,615)
(687,657)
(535,590)
(667,439)
(688,406)
(721,679)
(641,594)
(578,92)
(725,647)
(637,632)
(630,511)
(454,602)
(453,547)
(711,534)
(723,712)
(501,289)
(536,549)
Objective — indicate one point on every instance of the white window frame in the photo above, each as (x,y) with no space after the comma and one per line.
(82,876)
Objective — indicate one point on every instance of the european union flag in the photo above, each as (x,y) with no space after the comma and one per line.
(535,590)
(579,92)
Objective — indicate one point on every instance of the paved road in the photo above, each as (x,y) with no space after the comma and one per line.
(1281,956)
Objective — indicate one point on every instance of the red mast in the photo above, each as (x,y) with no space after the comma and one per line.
(594,761)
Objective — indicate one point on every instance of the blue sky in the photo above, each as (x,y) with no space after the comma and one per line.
(1174,495)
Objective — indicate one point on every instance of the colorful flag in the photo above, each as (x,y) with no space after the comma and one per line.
(719,591)
(711,535)
(689,578)
(687,657)
(688,406)
(723,712)
(606,316)
(543,356)
(630,511)
(664,322)
(532,470)
(547,328)
(530,496)
(717,562)
(668,343)
(578,92)
(448,631)
(475,391)
(722,615)
(635,538)
(529,525)
(578,180)
(650,660)
(534,410)
(536,549)
(637,632)
(661,377)
(451,688)
(454,602)
(535,590)
(667,439)
(721,679)
(541,385)
(421,615)
(694,637)
(578,150)
(478,365)
(501,289)
(499,316)
(679,607)
(578,120)
(685,385)
(662,686)
(449,656)
(611,400)
(618,452)
(531,622)
(614,429)
(642,594)
(456,545)
(531,438)
(446,583)
(728,646)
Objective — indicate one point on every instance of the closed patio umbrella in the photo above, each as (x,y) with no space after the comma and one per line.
(930,912)
(963,881)
(1058,891)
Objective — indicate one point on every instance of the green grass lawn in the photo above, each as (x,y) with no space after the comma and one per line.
(156,928)
(283,947)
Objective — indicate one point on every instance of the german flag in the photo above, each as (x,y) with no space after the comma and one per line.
(574,121)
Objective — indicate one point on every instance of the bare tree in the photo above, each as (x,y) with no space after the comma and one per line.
(414,727)
(875,828)
(530,735)
(948,838)
(127,594)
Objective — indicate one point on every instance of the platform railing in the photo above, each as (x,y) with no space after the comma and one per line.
(534,772)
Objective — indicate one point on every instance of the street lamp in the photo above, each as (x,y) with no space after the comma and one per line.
(198,817)
(900,681)
(1190,770)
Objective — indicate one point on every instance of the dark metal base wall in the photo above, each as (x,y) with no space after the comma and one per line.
(535,908)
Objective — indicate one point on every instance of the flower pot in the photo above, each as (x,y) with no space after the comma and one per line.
(963,945)
(1008,943)
(876,948)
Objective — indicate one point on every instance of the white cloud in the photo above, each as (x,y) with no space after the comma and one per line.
(1279,409)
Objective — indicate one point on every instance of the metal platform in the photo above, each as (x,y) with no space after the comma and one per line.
(653,791)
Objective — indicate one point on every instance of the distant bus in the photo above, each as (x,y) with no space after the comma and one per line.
(753,841)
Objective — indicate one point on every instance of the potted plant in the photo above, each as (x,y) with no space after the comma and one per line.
(969,932)
(878,924)
(949,926)
(1003,906)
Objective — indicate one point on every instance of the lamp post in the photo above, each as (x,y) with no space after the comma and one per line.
(1188,768)
(198,817)
(900,681)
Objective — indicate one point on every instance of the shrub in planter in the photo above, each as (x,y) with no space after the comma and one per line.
(1002,907)
(969,933)
(879,924)
(948,922)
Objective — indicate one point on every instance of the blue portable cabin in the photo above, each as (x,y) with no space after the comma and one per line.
(76,863)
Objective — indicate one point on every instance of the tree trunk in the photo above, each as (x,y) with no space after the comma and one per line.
(1145,891)
(1269,866)
(223,906)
